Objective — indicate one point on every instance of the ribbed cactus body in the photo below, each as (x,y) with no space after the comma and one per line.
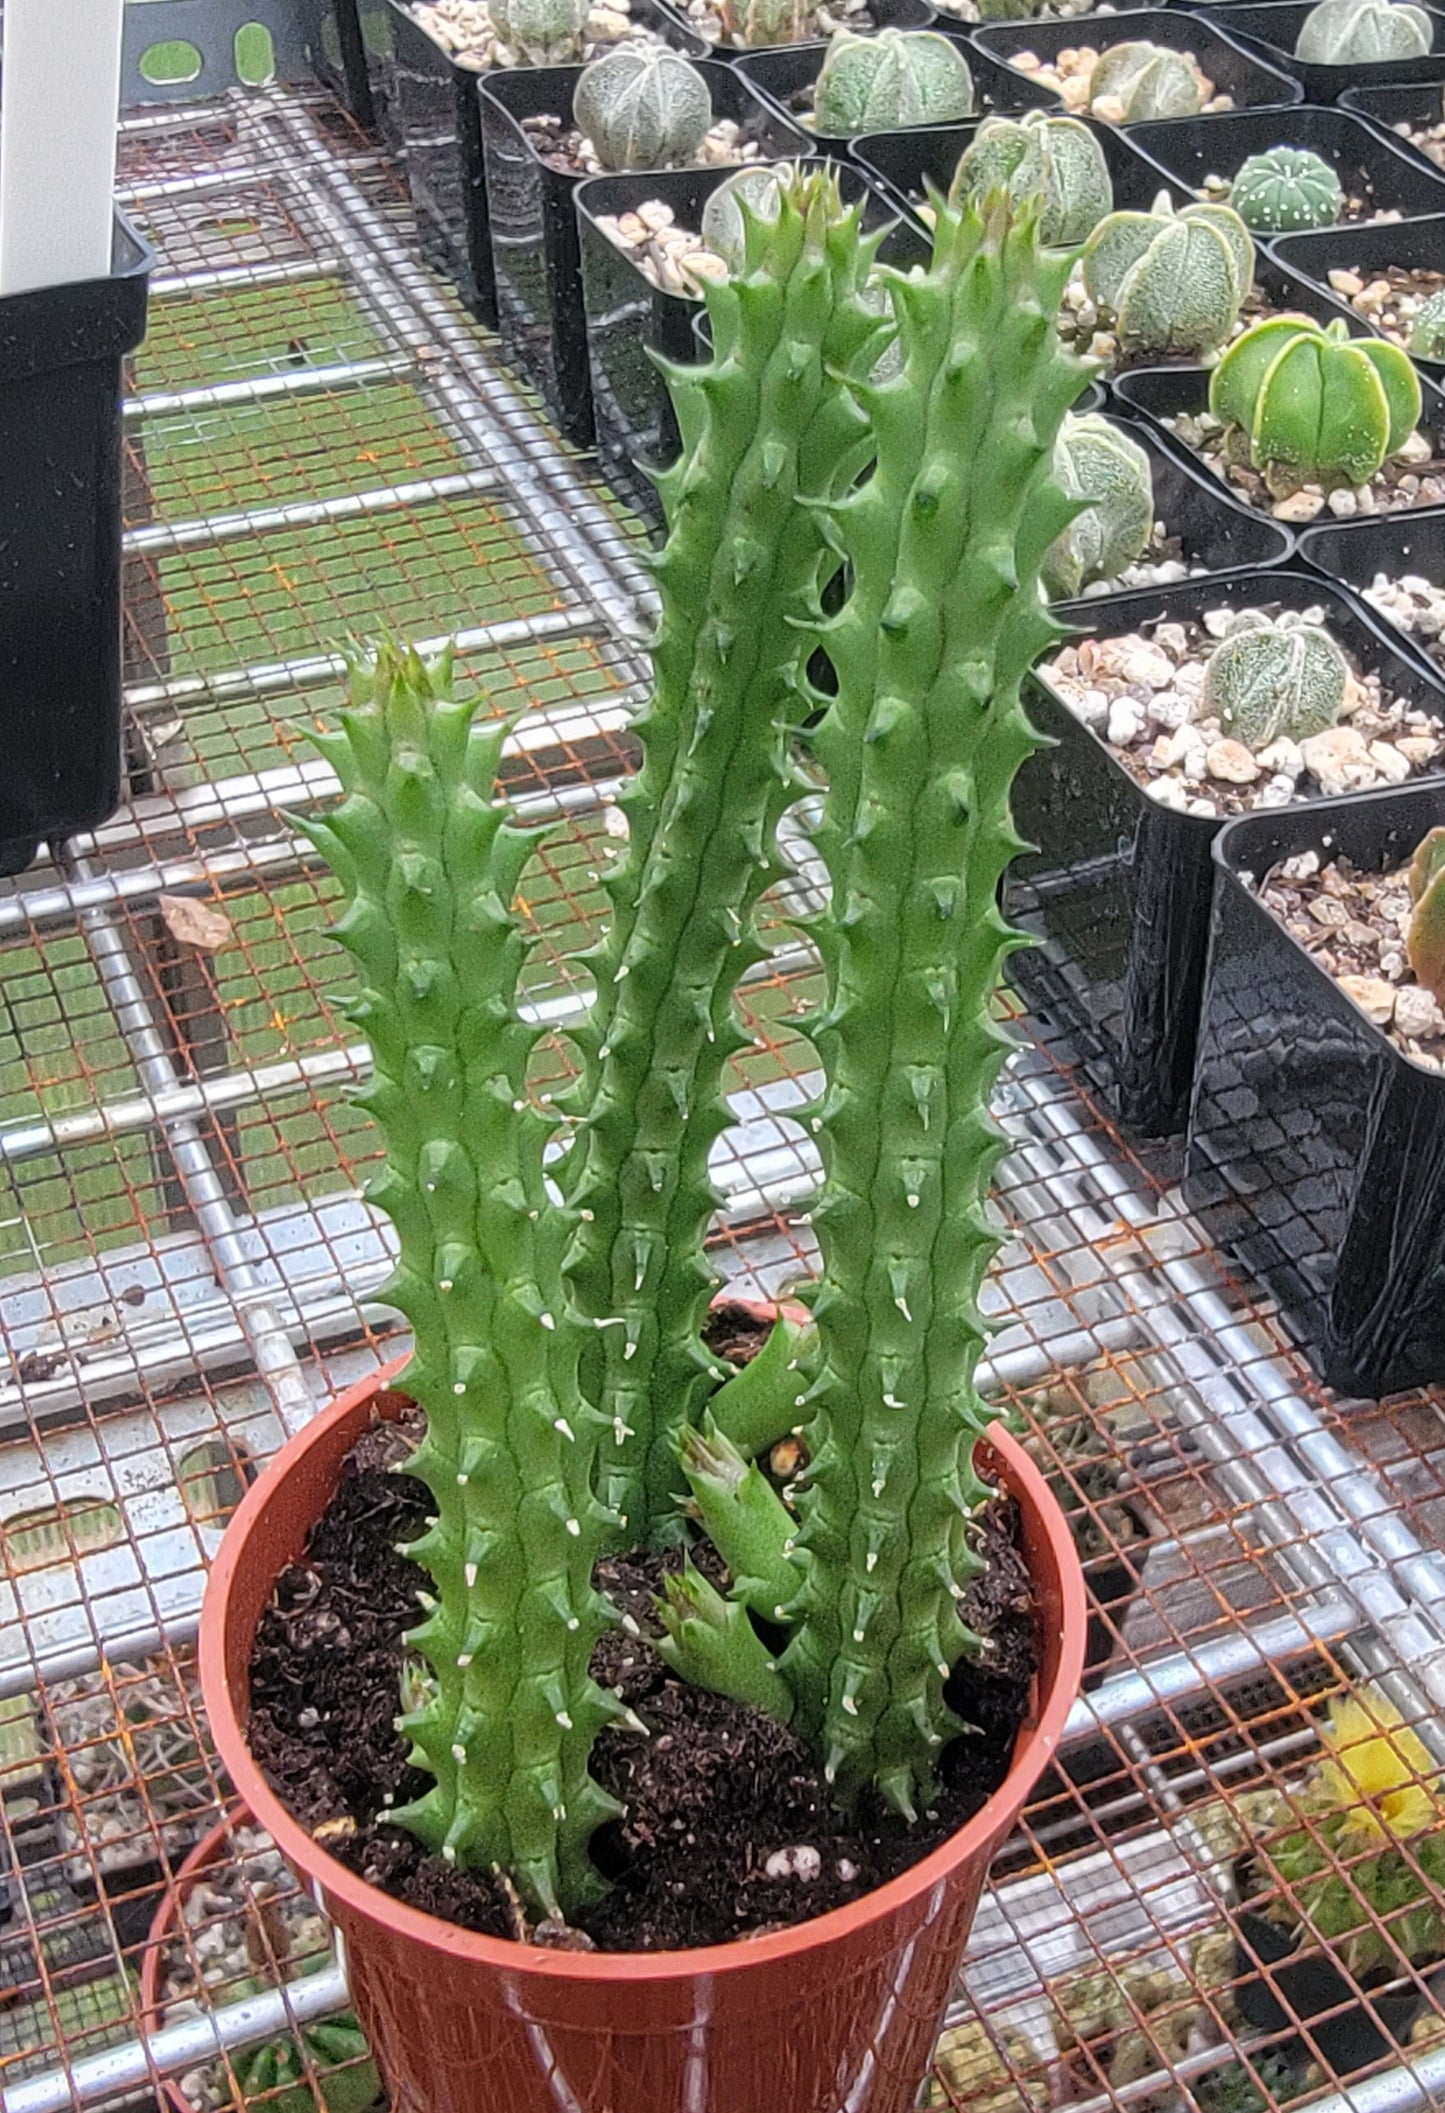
(1145,81)
(1362,33)
(643,107)
(1426,940)
(920,748)
(1097,462)
(1276,679)
(1287,189)
(1054,159)
(1173,283)
(765,419)
(1317,406)
(505,1719)
(755,23)
(898,78)
(543,32)
(723,227)
(1427,332)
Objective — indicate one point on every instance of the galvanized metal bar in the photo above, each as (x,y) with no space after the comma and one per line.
(239,177)
(241,278)
(329,380)
(164,538)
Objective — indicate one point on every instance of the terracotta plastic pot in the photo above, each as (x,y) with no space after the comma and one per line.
(210,1849)
(836,2016)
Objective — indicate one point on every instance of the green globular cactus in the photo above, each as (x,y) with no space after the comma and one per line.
(768,418)
(1362,33)
(755,23)
(505,1714)
(643,108)
(944,546)
(1427,332)
(541,32)
(899,77)
(1273,680)
(1137,81)
(1172,283)
(1426,941)
(1097,463)
(1055,159)
(1315,405)
(1287,189)
(723,227)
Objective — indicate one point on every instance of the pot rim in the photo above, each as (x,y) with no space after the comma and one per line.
(976,1837)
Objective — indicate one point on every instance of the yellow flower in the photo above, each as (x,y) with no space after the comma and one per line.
(1373,1755)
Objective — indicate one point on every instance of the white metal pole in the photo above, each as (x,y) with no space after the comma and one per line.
(59,95)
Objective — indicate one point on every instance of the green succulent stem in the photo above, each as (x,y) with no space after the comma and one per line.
(762,1402)
(429,863)
(768,417)
(920,747)
(710,1641)
(745,1519)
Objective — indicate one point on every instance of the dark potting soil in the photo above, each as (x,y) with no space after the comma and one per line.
(721,1802)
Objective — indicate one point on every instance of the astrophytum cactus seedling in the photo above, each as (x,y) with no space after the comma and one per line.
(1362,33)
(1133,82)
(643,107)
(1098,464)
(1315,405)
(1171,282)
(1287,189)
(943,546)
(900,77)
(753,23)
(1274,680)
(1427,332)
(724,226)
(541,32)
(1042,155)
(1426,942)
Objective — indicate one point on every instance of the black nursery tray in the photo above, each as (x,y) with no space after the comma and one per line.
(1248,76)
(1118,890)
(1316,1146)
(536,248)
(906,162)
(1271,27)
(1410,244)
(786,75)
(629,319)
(1389,178)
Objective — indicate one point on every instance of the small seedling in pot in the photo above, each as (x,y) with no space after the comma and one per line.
(1314,405)
(1425,945)
(1272,682)
(541,32)
(1138,81)
(1286,190)
(1363,33)
(643,108)
(896,79)
(1099,464)
(756,23)
(1173,283)
(1055,159)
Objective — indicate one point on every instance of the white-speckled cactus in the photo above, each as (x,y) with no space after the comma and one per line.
(1275,679)
(643,107)
(900,77)
(1363,33)
(541,32)
(1172,282)
(1134,82)
(724,229)
(754,23)
(1285,190)
(1427,333)
(1055,159)
(1096,461)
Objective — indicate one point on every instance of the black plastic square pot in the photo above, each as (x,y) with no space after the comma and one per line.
(536,241)
(1271,27)
(1190,149)
(905,162)
(1410,244)
(440,124)
(629,319)
(885,14)
(1355,552)
(788,73)
(1316,1148)
(1414,104)
(1246,75)
(1118,889)
(61,355)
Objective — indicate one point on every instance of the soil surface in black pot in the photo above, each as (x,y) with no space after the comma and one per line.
(571,153)
(1143,693)
(1354,925)
(1085,329)
(1068,75)
(1414,477)
(1430,139)
(728,1828)
(1389,298)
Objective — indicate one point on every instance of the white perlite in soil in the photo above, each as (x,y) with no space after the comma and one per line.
(239,1916)
(567,148)
(1069,74)
(464,28)
(1354,925)
(1390,300)
(1416,604)
(675,258)
(1430,139)
(1414,477)
(1143,693)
